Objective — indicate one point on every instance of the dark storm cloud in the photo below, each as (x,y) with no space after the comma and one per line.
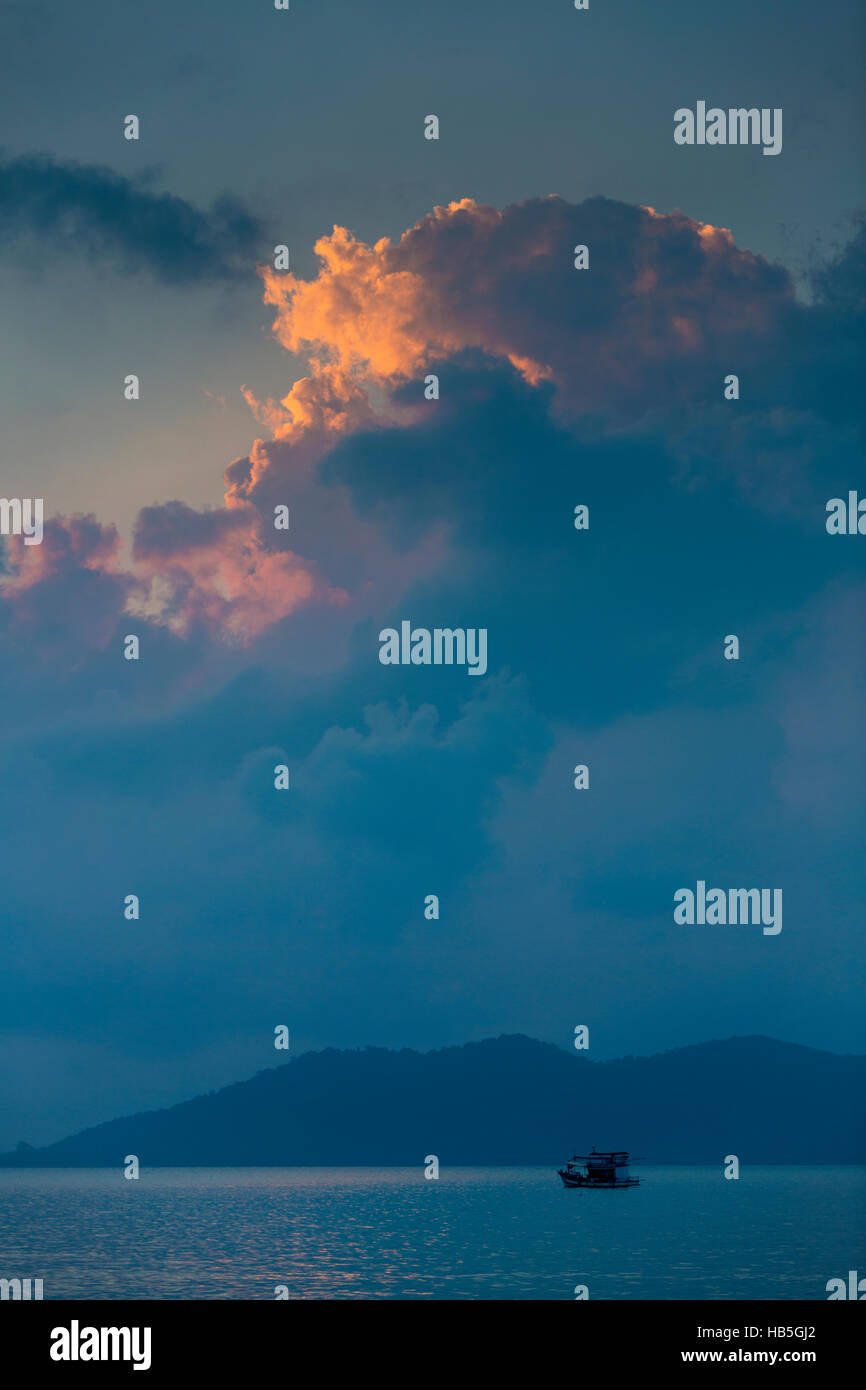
(840,282)
(110,218)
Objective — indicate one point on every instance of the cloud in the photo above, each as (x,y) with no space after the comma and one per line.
(641,341)
(605,647)
(113,219)
(658,312)
(218,569)
(840,282)
(536,359)
(820,705)
(593,374)
(69,593)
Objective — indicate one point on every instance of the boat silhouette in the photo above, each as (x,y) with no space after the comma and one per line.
(601,1168)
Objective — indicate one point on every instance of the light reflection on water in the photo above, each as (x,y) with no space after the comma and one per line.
(489,1233)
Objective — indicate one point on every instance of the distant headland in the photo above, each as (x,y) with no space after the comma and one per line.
(505,1101)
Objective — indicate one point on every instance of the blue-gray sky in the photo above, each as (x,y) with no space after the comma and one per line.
(557,387)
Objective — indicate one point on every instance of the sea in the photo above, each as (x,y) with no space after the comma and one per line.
(391,1233)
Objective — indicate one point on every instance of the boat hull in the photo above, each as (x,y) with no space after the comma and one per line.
(578,1180)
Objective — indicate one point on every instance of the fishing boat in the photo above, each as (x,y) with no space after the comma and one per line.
(608,1168)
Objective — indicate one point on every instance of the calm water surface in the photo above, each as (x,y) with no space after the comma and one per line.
(503,1233)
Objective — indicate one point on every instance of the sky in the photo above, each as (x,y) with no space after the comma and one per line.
(557,387)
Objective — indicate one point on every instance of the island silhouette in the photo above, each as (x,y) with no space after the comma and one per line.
(505,1101)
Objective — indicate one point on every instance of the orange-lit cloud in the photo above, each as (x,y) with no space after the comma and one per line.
(659,287)
(216,569)
(370,314)
(667,306)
